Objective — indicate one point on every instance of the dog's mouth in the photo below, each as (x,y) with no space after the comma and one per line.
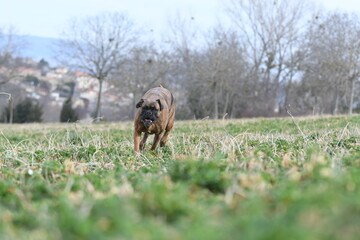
(148,121)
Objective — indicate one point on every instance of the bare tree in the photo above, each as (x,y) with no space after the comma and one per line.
(143,68)
(332,65)
(10,46)
(96,45)
(194,69)
(269,32)
(221,67)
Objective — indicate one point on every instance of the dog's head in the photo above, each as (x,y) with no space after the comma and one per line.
(150,110)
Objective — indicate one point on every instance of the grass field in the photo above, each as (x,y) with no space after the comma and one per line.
(226,179)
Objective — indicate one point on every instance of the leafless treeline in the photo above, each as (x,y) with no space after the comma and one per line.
(274,57)
(277,56)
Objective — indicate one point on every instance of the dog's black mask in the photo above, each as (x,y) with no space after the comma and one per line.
(148,115)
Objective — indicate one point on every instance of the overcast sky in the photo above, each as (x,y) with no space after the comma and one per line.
(48,17)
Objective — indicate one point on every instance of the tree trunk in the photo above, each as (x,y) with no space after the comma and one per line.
(226,104)
(216,102)
(98,102)
(136,98)
(351,96)
(336,107)
(132,113)
(11,110)
(286,105)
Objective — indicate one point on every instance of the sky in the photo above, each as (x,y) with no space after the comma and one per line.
(48,18)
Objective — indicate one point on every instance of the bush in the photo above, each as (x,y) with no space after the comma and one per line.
(205,174)
(68,114)
(27,111)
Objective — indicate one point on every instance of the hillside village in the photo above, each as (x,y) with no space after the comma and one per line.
(52,86)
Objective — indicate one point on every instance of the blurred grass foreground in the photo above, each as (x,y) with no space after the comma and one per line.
(226,179)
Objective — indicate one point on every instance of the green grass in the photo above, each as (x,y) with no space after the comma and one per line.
(226,179)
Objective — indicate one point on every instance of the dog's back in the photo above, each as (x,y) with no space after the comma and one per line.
(160,93)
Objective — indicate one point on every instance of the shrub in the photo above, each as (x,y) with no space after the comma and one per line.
(27,111)
(205,174)
(67,113)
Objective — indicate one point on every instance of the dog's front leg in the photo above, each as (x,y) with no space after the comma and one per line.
(137,136)
(143,141)
(156,141)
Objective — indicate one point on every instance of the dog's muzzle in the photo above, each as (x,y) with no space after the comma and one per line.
(147,121)
(148,118)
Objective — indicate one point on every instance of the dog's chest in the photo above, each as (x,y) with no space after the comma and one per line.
(153,129)
(149,130)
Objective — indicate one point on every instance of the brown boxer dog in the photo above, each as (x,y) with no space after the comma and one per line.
(155,113)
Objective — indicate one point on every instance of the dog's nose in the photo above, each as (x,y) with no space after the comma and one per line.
(148,114)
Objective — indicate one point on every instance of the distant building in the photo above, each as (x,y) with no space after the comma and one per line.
(25,71)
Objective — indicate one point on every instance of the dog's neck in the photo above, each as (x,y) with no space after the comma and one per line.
(147,127)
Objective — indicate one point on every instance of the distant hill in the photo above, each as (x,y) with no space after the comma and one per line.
(39,47)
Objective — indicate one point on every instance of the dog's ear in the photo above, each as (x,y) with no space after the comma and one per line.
(140,103)
(161,106)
